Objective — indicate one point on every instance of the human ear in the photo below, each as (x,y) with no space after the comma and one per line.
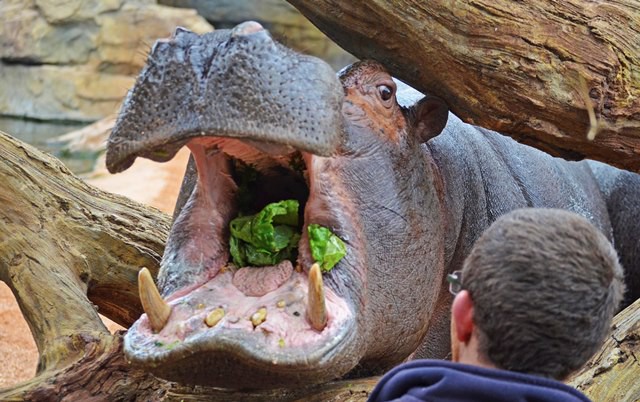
(462,316)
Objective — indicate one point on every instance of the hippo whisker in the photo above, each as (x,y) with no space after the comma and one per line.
(396,213)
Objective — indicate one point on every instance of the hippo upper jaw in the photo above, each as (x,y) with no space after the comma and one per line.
(196,85)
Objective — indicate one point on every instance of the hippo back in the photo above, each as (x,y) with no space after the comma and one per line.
(621,190)
(486,174)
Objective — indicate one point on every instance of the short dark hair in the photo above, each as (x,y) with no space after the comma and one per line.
(545,284)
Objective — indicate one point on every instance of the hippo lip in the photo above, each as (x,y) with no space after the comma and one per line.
(281,351)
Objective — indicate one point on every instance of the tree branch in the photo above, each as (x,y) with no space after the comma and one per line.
(612,373)
(62,239)
(513,67)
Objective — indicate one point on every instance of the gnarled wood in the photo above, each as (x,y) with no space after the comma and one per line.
(613,374)
(61,240)
(528,69)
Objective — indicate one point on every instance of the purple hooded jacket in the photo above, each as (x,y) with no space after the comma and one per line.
(444,381)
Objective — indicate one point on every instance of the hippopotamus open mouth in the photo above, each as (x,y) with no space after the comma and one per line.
(236,98)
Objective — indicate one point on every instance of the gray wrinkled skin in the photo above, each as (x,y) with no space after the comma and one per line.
(408,188)
(486,174)
(196,84)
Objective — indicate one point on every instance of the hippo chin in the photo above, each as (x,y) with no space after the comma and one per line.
(407,202)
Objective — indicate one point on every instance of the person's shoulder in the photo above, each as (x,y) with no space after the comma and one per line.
(438,380)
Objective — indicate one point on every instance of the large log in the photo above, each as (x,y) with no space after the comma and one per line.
(531,69)
(67,248)
(612,374)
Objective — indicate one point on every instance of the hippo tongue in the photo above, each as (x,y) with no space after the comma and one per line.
(257,282)
(234,83)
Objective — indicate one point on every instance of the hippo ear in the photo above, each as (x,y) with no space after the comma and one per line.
(428,117)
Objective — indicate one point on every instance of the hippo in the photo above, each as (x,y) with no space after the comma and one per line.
(406,185)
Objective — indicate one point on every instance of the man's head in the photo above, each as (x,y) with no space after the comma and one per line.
(540,288)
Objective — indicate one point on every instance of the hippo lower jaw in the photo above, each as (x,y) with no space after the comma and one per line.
(236,353)
(254,338)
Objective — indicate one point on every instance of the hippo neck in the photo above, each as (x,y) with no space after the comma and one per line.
(486,174)
(408,257)
(451,163)
(470,169)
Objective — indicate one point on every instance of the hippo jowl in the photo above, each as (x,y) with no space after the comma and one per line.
(407,188)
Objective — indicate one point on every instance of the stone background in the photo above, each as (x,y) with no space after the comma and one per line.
(74,60)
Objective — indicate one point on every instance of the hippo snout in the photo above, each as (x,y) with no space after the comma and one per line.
(236,83)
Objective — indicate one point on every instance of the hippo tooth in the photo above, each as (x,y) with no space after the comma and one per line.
(214,317)
(316,308)
(157,309)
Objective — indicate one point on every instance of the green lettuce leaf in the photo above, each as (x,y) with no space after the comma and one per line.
(267,237)
(326,248)
(271,236)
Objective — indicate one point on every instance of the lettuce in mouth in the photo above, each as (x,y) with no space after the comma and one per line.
(326,248)
(267,237)
(272,235)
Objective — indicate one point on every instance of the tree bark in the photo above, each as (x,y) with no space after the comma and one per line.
(612,374)
(532,70)
(66,246)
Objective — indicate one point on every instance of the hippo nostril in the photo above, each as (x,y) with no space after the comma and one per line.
(246,28)
(181,32)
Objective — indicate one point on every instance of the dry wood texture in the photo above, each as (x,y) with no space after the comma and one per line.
(67,248)
(613,374)
(530,69)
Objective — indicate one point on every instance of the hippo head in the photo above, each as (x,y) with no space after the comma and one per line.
(346,150)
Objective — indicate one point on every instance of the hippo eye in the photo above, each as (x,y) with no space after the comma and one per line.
(385,92)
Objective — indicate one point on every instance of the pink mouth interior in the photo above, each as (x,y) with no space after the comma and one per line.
(241,293)
(285,326)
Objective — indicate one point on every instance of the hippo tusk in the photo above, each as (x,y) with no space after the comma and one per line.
(157,309)
(316,308)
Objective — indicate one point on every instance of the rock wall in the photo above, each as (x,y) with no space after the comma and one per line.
(283,21)
(75,59)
